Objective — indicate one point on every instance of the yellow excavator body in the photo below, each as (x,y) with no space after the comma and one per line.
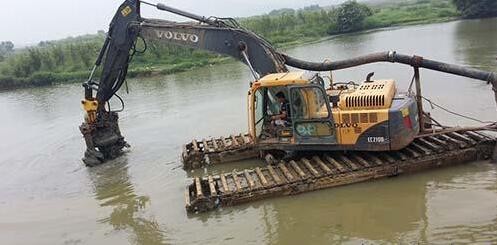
(363,108)
(359,118)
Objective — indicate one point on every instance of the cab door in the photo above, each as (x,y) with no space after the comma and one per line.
(311,115)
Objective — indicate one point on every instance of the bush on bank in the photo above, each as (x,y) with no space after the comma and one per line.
(71,59)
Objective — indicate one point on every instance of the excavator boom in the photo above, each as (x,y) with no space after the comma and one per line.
(222,36)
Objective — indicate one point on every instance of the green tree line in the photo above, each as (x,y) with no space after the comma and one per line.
(71,59)
(477,8)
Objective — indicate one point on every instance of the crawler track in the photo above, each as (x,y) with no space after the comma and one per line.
(217,150)
(330,170)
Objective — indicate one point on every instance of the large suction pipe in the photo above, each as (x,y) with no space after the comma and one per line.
(393,57)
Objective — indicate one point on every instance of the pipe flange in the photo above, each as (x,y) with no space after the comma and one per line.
(416,60)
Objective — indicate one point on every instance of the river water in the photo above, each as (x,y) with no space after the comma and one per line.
(47,196)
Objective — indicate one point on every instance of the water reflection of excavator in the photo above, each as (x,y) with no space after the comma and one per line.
(361,125)
(113,189)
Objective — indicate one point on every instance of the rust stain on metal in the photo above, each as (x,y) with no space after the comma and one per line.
(214,151)
(314,173)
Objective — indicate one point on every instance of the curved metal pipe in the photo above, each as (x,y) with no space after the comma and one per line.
(394,57)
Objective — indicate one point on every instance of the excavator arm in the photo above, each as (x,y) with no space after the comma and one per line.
(210,34)
(222,36)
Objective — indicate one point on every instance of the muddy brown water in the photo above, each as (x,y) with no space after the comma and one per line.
(47,196)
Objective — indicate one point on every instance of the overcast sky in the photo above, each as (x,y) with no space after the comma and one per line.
(30,21)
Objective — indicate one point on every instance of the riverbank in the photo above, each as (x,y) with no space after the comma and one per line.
(50,78)
(70,60)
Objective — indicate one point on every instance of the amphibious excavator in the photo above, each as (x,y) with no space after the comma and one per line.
(333,134)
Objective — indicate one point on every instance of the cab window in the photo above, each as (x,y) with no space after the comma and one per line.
(259,110)
(308,103)
(274,105)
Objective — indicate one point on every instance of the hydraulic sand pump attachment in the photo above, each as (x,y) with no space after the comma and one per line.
(101,132)
(102,135)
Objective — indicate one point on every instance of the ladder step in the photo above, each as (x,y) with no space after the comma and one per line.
(462,138)
(286,172)
(250,181)
(349,162)
(322,165)
(214,144)
(274,175)
(420,148)
(390,159)
(483,135)
(212,187)
(429,145)
(236,180)
(459,143)
(475,136)
(198,188)
(234,142)
(297,169)
(374,158)
(224,183)
(336,164)
(309,167)
(261,177)
(361,160)
(437,141)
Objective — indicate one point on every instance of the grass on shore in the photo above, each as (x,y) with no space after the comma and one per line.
(420,12)
(70,60)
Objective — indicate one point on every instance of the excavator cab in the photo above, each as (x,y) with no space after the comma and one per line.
(372,116)
(309,119)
